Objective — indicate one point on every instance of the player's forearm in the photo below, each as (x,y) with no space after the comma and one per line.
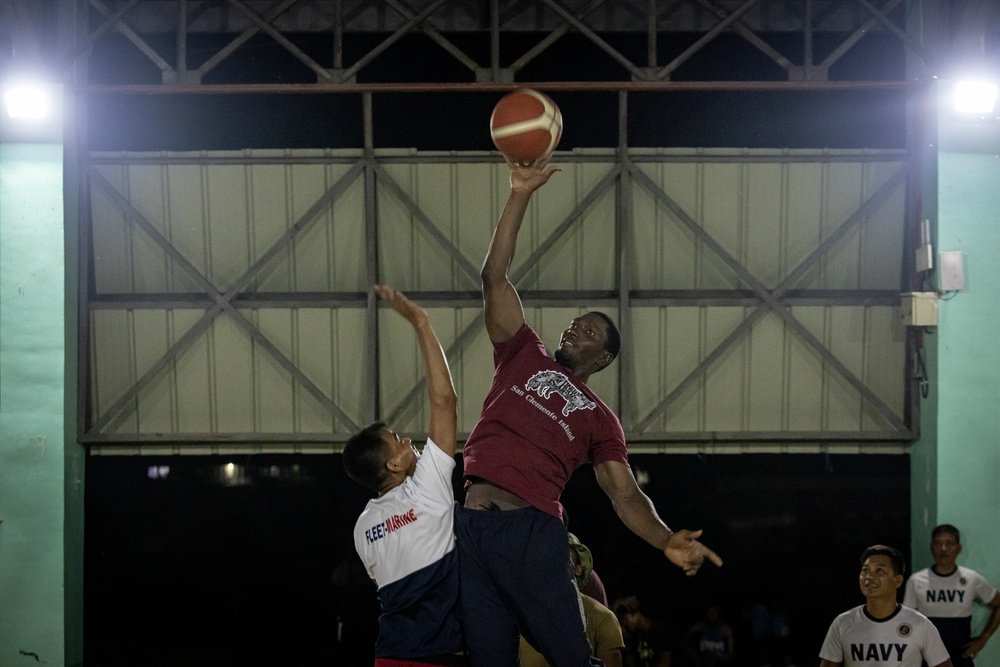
(504,241)
(440,389)
(638,514)
(991,625)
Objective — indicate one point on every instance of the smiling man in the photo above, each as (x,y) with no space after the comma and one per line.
(540,422)
(947,594)
(882,632)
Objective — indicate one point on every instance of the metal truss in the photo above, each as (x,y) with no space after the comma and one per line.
(677,34)
(196,47)
(620,175)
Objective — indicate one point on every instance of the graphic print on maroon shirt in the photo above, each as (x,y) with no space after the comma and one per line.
(538,425)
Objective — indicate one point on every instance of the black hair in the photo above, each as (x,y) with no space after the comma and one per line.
(614,344)
(624,606)
(365,455)
(895,556)
(947,528)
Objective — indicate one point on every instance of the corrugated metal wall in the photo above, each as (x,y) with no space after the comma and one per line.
(701,241)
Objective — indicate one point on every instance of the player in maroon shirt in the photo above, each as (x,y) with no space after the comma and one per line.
(540,422)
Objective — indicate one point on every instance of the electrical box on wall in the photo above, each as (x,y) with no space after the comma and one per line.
(919,309)
(952,272)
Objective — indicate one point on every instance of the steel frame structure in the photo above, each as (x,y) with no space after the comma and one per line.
(138,20)
(620,171)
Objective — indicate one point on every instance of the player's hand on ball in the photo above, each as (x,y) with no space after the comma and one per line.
(530,177)
(686,552)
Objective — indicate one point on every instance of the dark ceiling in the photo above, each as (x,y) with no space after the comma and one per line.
(233,74)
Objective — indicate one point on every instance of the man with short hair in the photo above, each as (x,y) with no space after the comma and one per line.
(649,641)
(882,631)
(405,536)
(540,421)
(947,593)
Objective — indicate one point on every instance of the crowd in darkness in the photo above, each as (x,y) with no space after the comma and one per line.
(266,569)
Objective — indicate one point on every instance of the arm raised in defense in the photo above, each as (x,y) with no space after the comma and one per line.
(440,389)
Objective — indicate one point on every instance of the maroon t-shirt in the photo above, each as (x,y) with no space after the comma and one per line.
(539,424)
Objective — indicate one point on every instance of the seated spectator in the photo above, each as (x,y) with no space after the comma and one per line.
(711,640)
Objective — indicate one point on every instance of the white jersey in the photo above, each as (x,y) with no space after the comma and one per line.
(406,539)
(905,639)
(948,601)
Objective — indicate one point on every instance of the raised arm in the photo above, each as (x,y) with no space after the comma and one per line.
(636,511)
(440,390)
(504,314)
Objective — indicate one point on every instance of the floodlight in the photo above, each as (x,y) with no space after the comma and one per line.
(28,101)
(975,96)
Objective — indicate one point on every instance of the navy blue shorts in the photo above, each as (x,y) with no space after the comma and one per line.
(515,579)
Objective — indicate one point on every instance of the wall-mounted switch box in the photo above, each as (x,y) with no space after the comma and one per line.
(951,271)
(919,309)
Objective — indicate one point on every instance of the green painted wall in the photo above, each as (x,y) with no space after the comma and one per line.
(966,426)
(32,424)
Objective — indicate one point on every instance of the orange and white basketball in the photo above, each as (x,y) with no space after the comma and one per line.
(526,126)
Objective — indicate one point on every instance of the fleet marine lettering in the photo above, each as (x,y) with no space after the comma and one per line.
(392,524)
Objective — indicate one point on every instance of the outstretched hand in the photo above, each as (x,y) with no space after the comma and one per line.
(530,177)
(686,552)
(401,304)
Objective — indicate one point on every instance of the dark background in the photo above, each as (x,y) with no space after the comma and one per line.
(459,120)
(198,568)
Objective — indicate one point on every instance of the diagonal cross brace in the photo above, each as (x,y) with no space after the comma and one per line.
(243,37)
(414,21)
(435,36)
(458,344)
(393,186)
(856,36)
(596,39)
(881,17)
(567,222)
(770,298)
(223,302)
(733,17)
(116,21)
(748,35)
(281,39)
(553,37)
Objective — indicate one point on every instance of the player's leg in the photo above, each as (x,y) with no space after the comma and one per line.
(538,583)
(491,636)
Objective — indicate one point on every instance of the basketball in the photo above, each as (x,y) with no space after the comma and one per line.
(526,126)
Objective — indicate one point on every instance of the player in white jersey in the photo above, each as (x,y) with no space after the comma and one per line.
(947,593)
(405,536)
(881,632)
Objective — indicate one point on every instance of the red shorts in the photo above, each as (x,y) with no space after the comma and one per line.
(392,662)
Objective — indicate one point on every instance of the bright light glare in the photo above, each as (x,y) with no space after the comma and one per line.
(27,101)
(975,96)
